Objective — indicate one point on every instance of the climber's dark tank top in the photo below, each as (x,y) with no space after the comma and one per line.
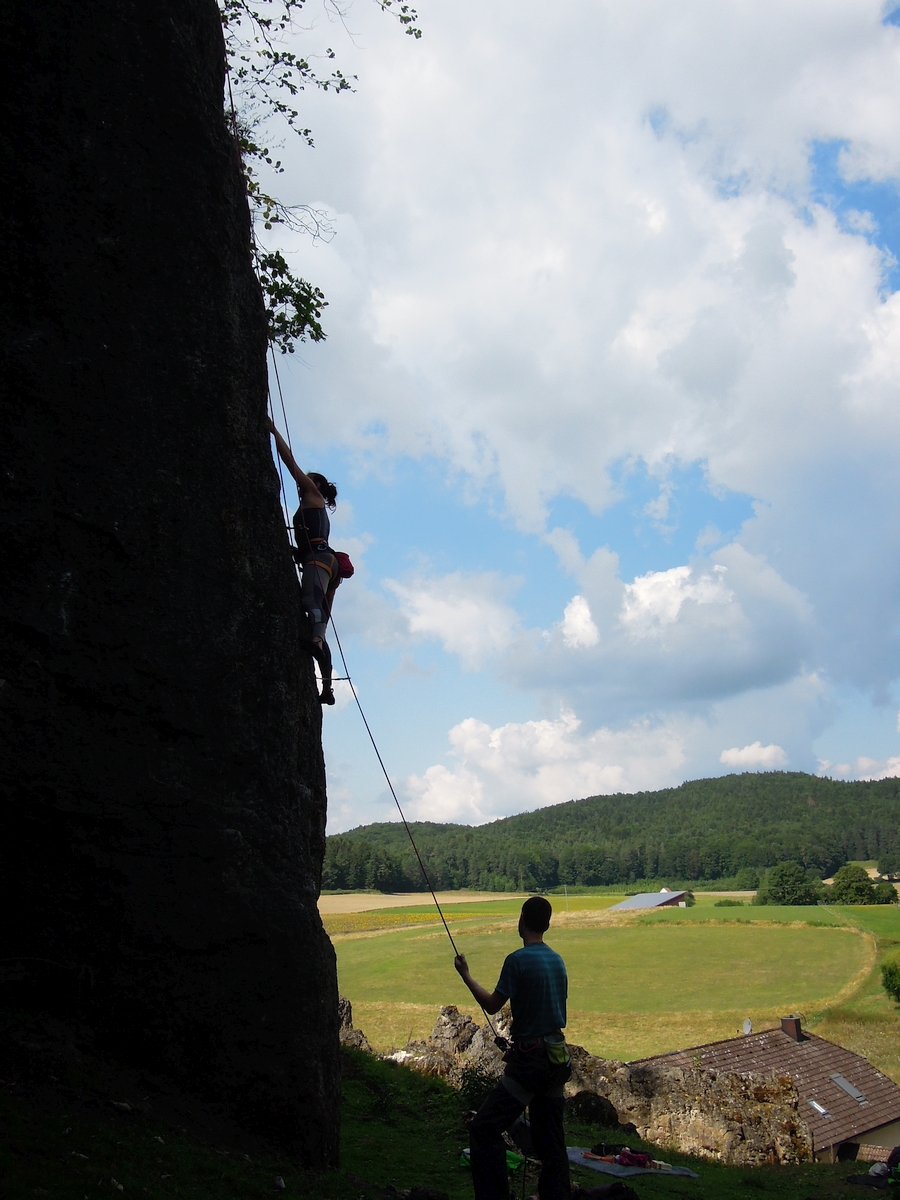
(311,527)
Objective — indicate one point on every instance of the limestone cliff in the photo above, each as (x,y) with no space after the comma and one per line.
(161,779)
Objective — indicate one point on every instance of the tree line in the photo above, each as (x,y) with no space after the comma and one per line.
(734,827)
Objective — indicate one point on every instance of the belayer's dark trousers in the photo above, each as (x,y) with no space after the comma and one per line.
(530,1075)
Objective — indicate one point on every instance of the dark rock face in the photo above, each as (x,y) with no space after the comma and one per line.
(591,1109)
(161,776)
(355,1038)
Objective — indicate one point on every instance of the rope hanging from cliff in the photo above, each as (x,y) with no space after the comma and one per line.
(346,677)
(363,714)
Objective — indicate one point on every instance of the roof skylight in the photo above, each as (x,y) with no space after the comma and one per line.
(846,1086)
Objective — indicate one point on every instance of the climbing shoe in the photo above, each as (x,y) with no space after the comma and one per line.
(327,696)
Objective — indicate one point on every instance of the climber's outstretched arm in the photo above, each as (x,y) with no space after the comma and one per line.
(310,495)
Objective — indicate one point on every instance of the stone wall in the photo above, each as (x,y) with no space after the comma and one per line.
(162,787)
(744,1119)
(748,1118)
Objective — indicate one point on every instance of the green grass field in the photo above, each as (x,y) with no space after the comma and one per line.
(641,984)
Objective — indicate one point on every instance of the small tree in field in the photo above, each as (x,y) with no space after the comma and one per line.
(884,893)
(890,978)
(889,866)
(787,883)
(852,885)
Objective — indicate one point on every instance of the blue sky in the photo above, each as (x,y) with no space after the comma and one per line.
(610,395)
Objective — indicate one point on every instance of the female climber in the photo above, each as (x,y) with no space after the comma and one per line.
(320,570)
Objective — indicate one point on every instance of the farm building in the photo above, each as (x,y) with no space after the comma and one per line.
(849,1104)
(663,899)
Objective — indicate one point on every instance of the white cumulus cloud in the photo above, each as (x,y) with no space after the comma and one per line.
(631,262)
(466,612)
(872,768)
(655,599)
(530,764)
(578,628)
(754,755)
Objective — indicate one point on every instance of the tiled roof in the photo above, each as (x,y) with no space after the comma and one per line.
(823,1072)
(648,900)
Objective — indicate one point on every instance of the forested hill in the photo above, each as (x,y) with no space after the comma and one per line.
(707,829)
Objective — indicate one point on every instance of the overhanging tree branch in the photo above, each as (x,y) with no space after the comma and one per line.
(268,78)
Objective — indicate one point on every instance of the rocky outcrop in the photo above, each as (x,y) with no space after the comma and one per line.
(161,784)
(354,1038)
(734,1118)
(457,1044)
(746,1119)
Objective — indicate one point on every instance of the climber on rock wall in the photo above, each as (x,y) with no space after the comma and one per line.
(321,571)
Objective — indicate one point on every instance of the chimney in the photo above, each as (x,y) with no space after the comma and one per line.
(791,1026)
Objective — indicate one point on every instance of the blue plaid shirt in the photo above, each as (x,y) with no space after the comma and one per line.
(534,980)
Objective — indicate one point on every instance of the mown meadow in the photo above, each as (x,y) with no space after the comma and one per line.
(640,984)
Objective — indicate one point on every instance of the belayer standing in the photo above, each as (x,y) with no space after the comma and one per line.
(534,981)
(321,573)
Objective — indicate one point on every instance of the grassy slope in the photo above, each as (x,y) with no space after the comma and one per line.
(399,1129)
(868,1021)
(662,981)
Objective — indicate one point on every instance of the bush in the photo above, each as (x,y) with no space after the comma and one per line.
(890,978)
(747,879)
(852,885)
(889,866)
(728,903)
(787,883)
(885,893)
(689,899)
(475,1085)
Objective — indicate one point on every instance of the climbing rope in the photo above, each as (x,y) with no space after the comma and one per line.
(290,530)
(347,678)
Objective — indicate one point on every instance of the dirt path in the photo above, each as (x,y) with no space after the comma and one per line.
(364,902)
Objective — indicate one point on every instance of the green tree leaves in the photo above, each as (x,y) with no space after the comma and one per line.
(293,306)
(787,883)
(890,978)
(265,79)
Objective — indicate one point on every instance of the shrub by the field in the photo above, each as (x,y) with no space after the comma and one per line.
(475,1085)
(890,978)
(852,885)
(788,883)
(728,903)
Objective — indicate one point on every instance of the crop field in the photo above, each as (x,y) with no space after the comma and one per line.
(426,914)
(639,984)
